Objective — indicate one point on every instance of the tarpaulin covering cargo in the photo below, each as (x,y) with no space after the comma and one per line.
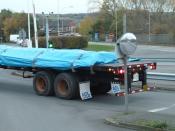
(61,59)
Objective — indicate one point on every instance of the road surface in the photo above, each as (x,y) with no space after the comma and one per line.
(22,110)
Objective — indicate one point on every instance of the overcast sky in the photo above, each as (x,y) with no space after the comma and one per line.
(65,6)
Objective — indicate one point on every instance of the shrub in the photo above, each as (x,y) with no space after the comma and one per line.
(66,42)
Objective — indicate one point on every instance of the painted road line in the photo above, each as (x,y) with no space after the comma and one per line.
(161,109)
(164,50)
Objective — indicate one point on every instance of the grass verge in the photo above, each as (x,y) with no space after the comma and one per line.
(100,48)
(152,123)
(142,121)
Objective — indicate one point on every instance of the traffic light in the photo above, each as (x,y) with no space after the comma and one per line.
(50,44)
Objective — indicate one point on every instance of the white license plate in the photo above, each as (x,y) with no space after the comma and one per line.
(85,92)
(136,77)
(115,87)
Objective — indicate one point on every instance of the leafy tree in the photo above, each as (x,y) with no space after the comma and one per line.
(3,15)
(14,23)
(137,15)
(110,12)
(86,24)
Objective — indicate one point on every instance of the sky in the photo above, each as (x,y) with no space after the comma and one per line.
(47,6)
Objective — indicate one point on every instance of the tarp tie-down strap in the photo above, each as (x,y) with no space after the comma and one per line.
(72,64)
(35,58)
(3,51)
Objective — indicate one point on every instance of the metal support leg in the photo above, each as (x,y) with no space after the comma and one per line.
(144,78)
(129,81)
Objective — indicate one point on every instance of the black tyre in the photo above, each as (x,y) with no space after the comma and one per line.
(66,86)
(100,88)
(43,83)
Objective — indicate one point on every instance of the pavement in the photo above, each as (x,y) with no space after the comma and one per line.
(137,121)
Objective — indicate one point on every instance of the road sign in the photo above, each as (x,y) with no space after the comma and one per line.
(126,46)
(22,34)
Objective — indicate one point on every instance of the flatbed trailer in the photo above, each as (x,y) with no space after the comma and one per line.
(65,84)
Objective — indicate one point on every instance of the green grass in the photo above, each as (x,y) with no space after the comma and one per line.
(100,47)
(152,123)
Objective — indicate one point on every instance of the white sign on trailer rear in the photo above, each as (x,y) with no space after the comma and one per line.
(14,38)
(85,92)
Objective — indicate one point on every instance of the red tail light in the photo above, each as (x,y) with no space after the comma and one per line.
(121,71)
(152,66)
(118,71)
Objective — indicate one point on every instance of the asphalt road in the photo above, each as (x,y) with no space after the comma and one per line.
(149,51)
(22,110)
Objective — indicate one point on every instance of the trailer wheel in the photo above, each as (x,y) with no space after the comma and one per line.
(100,88)
(66,86)
(43,83)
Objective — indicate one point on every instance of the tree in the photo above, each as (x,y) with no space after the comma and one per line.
(110,12)
(3,15)
(138,12)
(14,23)
(86,25)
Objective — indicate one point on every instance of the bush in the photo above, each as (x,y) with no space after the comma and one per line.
(66,42)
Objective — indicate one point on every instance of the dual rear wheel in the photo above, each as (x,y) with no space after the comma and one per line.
(64,85)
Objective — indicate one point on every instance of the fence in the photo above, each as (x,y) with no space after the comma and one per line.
(156,39)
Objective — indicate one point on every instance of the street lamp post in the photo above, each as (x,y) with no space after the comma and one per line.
(149,27)
(124,23)
(115,13)
(62,23)
(63,19)
(47,32)
(43,20)
(58,17)
(28,22)
(35,26)
(47,28)
(126,46)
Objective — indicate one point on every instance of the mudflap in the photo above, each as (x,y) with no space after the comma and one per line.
(85,92)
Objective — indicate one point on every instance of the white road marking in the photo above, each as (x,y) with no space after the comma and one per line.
(164,50)
(158,48)
(158,109)
(161,109)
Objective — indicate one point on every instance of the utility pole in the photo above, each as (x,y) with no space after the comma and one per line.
(29,42)
(28,23)
(63,20)
(58,17)
(126,83)
(29,27)
(35,27)
(149,26)
(115,13)
(47,32)
(124,23)
(62,25)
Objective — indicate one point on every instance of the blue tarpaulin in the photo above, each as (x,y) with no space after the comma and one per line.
(62,59)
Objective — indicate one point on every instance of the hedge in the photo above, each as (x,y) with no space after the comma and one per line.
(66,42)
